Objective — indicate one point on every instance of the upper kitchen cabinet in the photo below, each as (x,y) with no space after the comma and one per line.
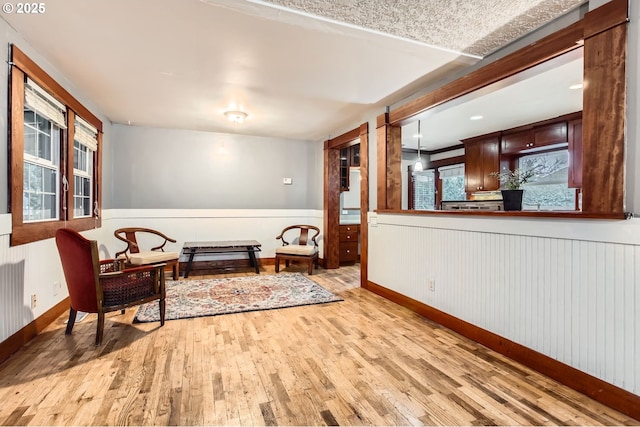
(540,137)
(482,157)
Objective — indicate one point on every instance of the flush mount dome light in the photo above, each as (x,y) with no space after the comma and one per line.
(235,116)
(477,117)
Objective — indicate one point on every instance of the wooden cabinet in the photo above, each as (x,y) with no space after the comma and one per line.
(482,156)
(537,137)
(516,142)
(349,238)
(574,133)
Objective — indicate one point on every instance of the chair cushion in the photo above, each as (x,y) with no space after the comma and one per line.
(151,257)
(296,250)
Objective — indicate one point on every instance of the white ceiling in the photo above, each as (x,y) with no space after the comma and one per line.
(182,63)
(540,93)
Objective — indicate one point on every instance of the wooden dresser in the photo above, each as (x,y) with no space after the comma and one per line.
(349,237)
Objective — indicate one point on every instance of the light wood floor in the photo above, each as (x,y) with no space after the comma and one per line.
(363,361)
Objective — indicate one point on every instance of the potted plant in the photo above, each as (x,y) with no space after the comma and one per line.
(512,181)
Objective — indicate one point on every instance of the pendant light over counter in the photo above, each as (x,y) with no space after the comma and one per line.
(418,166)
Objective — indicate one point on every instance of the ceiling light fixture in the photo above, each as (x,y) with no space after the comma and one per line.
(418,166)
(478,117)
(236,116)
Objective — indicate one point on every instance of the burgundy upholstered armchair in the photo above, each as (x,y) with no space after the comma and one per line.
(100,286)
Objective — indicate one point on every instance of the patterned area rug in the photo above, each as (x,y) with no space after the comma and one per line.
(210,297)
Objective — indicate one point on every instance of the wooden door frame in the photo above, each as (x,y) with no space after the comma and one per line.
(331,241)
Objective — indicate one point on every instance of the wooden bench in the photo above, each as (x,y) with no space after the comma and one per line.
(222,247)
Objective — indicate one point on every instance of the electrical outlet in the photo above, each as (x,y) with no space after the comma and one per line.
(57,287)
(34,301)
(432,285)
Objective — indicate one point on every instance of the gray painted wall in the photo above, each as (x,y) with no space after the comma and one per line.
(8,36)
(184,169)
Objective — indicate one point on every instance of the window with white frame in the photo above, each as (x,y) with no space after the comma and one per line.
(85,143)
(55,178)
(44,116)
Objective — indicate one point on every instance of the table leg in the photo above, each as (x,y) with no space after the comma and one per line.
(188,269)
(252,259)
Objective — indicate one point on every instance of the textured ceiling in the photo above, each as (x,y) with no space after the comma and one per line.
(488,25)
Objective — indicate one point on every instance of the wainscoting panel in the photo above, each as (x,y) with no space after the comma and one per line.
(186,225)
(12,306)
(574,300)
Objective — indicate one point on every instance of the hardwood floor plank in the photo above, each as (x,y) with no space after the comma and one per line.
(362,361)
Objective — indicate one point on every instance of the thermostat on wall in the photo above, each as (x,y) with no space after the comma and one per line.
(287,181)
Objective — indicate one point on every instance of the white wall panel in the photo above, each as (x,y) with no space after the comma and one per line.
(571,297)
(186,225)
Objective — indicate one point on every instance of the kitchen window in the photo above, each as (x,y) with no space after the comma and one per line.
(452,178)
(549,189)
(424,190)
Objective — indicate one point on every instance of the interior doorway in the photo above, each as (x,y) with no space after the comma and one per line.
(332,186)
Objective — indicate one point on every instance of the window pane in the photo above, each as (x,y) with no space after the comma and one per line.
(29,118)
(87,187)
(35,206)
(549,189)
(44,125)
(34,177)
(80,157)
(81,196)
(453,188)
(50,180)
(40,192)
(44,146)
(424,196)
(50,206)
(76,155)
(30,138)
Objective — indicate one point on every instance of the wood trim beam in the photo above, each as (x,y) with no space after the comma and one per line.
(331,246)
(381,150)
(345,140)
(445,162)
(603,121)
(607,16)
(364,204)
(547,48)
(16,147)
(394,167)
(597,389)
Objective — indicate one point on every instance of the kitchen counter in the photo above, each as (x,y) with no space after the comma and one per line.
(350,221)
